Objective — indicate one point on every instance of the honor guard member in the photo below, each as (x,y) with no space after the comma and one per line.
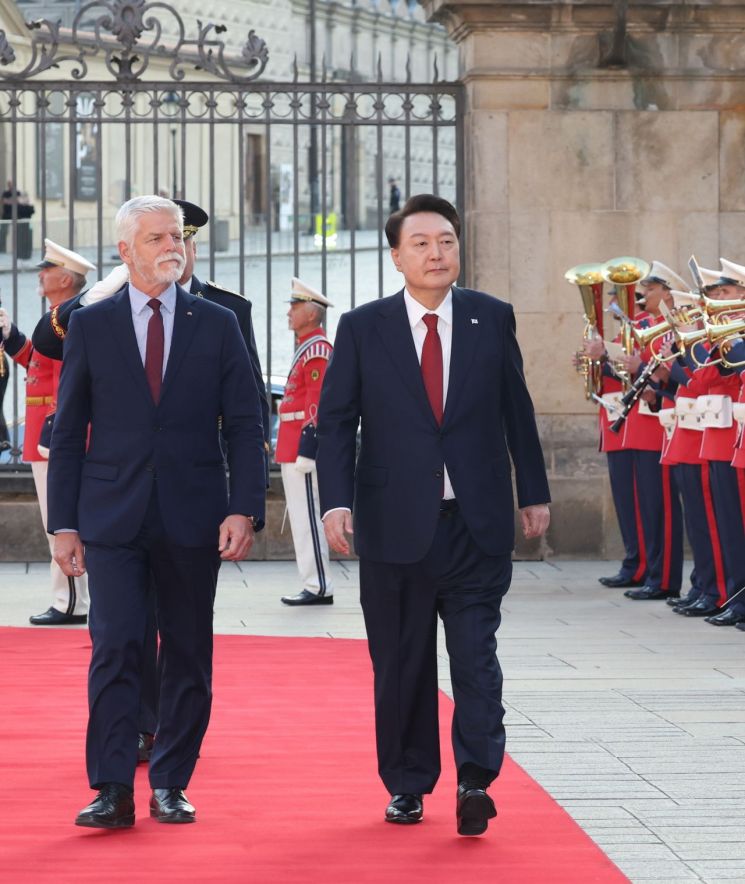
(659,501)
(633,568)
(718,446)
(296,444)
(61,277)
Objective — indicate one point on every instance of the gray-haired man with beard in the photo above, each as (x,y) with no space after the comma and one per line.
(152,370)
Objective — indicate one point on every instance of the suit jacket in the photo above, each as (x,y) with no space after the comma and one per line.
(242,308)
(136,445)
(394,489)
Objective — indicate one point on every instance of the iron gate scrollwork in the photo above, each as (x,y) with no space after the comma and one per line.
(123,102)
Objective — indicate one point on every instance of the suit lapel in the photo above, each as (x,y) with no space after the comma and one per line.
(395,333)
(124,332)
(184,324)
(465,341)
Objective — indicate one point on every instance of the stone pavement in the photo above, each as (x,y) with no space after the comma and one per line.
(633,718)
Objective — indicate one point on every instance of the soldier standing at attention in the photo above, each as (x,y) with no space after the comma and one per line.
(61,277)
(296,444)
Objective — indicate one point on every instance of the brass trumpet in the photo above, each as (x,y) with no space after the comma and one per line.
(715,308)
(590,283)
(724,335)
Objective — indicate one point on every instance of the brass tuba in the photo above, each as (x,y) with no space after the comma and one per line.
(590,283)
(624,273)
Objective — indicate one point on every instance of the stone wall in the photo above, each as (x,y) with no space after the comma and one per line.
(570,160)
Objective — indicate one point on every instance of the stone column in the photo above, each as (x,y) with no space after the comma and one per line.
(589,137)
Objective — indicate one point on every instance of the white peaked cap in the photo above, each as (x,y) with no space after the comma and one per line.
(710,277)
(684,299)
(57,256)
(660,272)
(732,271)
(303,292)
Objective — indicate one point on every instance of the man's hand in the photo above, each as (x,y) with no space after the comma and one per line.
(236,538)
(336,524)
(535,520)
(68,553)
(5,324)
(304,464)
(594,348)
(630,363)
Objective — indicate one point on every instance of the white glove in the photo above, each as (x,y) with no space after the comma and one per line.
(107,286)
(5,324)
(304,465)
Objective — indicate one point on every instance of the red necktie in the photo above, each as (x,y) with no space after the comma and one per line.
(432,365)
(154,350)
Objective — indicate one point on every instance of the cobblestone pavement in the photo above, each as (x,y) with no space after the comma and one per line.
(633,718)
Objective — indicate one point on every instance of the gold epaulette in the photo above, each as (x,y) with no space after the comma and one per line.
(56,327)
(221,288)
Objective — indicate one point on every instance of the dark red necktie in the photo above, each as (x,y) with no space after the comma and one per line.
(432,365)
(154,350)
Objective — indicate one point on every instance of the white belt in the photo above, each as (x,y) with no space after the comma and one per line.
(716,411)
(291,416)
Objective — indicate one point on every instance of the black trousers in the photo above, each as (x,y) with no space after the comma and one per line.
(662,519)
(401,604)
(727,493)
(623,490)
(120,578)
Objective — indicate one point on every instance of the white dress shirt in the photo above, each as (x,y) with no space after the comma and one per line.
(444,312)
(141,314)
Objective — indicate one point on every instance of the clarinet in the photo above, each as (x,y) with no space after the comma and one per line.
(631,396)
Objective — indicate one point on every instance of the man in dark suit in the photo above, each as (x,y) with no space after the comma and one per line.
(48,339)
(155,372)
(434,373)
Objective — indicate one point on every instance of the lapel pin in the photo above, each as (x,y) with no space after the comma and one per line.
(474,322)
(188,312)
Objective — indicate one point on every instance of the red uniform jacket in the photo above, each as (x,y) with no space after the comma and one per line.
(299,407)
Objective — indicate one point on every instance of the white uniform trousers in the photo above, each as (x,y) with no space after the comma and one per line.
(68,596)
(311,547)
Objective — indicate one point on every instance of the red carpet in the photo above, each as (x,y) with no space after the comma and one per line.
(286,789)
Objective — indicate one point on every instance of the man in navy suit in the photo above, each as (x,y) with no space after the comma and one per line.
(157,374)
(434,373)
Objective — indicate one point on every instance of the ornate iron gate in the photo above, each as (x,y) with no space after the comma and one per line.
(293,174)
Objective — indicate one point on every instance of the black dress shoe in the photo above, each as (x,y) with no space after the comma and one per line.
(112,808)
(171,806)
(404,809)
(473,809)
(306,597)
(728,617)
(647,593)
(144,747)
(702,608)
(693,596)
(53,617)
(618,581)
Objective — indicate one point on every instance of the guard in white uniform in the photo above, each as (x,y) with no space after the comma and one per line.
(296,444)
